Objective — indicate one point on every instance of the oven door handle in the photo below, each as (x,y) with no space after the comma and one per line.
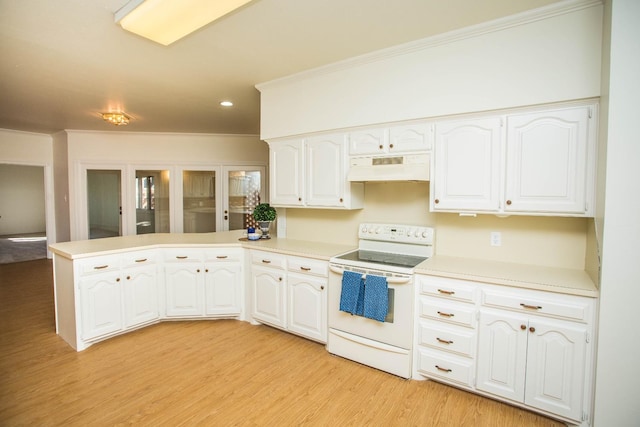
(390,280)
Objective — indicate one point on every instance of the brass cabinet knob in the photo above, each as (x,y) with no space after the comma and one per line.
(380,146)
(532,329)
(523,327)
(508,202)
(390,145)
(436,201)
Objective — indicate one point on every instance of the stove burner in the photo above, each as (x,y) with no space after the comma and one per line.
(383,258)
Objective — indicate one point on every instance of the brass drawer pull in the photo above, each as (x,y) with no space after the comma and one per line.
(141,260)
(531,307)
(182,256)
(222,256)
(442,291)
(442,369)
(445,314)
(100,267)
(266,261)
(440,340)
(305,268)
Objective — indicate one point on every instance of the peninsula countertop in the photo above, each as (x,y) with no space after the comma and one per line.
(112,245)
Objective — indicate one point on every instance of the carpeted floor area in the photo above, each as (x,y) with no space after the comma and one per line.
(23,247)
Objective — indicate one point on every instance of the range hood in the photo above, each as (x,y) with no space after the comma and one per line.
(411,167)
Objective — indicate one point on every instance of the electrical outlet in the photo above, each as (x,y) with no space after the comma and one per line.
(496,238)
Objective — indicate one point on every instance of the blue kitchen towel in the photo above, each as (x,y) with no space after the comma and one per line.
(376,298)
(351,289)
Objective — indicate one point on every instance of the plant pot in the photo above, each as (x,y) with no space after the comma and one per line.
(264,227)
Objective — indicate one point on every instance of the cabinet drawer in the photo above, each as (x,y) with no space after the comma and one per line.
(432,363)
(139,258)
(223,255)
(458,314)
(181,255)
(98,264)
(269,259)
(447,288)
(308,266)
(447,338)
(541,303)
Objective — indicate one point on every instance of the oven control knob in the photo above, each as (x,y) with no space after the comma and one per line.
(425,234)
(364,229)
(378,230)
(409,231)
(417,233)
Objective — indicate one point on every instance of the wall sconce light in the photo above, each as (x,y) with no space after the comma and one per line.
(116,118)
(165,21)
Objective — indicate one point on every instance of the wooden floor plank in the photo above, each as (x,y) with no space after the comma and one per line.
(204,373)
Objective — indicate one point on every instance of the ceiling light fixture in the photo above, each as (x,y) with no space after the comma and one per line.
(165,21)
(116,118)
(226,103)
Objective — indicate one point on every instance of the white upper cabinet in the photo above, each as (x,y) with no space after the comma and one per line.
(396,139)
(312,172)
(286,171)
(547,161)
(467,165)
(540,162)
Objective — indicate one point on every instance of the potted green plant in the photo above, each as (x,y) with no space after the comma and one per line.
(264,214)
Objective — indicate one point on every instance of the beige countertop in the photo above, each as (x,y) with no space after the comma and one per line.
(112,245)
(559,280)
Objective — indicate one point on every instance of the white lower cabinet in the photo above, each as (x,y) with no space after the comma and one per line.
(529,348)
(290,293)
(203,282)
(117,293)
(446,330)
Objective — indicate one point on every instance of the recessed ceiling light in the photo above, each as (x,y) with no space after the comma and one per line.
(226,103)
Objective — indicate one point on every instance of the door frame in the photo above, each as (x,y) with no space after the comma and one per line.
(49,199)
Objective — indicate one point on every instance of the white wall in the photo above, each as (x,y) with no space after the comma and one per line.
(32,149)
(544,58)
(21,199)
(618,370)
(128,151)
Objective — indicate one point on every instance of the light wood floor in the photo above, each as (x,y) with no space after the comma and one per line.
(204,373)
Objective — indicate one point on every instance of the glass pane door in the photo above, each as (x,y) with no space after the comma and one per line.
(199,201)
(152,201)
(104,203)
(244,190)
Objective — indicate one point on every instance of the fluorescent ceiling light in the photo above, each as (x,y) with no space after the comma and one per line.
(165,21)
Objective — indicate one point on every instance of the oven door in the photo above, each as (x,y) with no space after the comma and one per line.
(396,330)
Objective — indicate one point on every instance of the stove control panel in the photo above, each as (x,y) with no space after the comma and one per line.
(396,233)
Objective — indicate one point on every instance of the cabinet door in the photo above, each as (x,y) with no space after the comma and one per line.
(222,289)
(369,141)
(326,161)
(502,354)
(184,290)
(467,166)
(101,304)
(286,172)
(547,161)
(410,138)
(140,295)
(269,295)
(555,367)
(308,306)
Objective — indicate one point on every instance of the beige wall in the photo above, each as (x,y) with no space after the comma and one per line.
(549,241)
(22,199)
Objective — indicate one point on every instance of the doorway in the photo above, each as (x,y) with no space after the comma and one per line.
(104,203)
(22,213)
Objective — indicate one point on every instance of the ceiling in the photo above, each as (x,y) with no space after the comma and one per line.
(65,61)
